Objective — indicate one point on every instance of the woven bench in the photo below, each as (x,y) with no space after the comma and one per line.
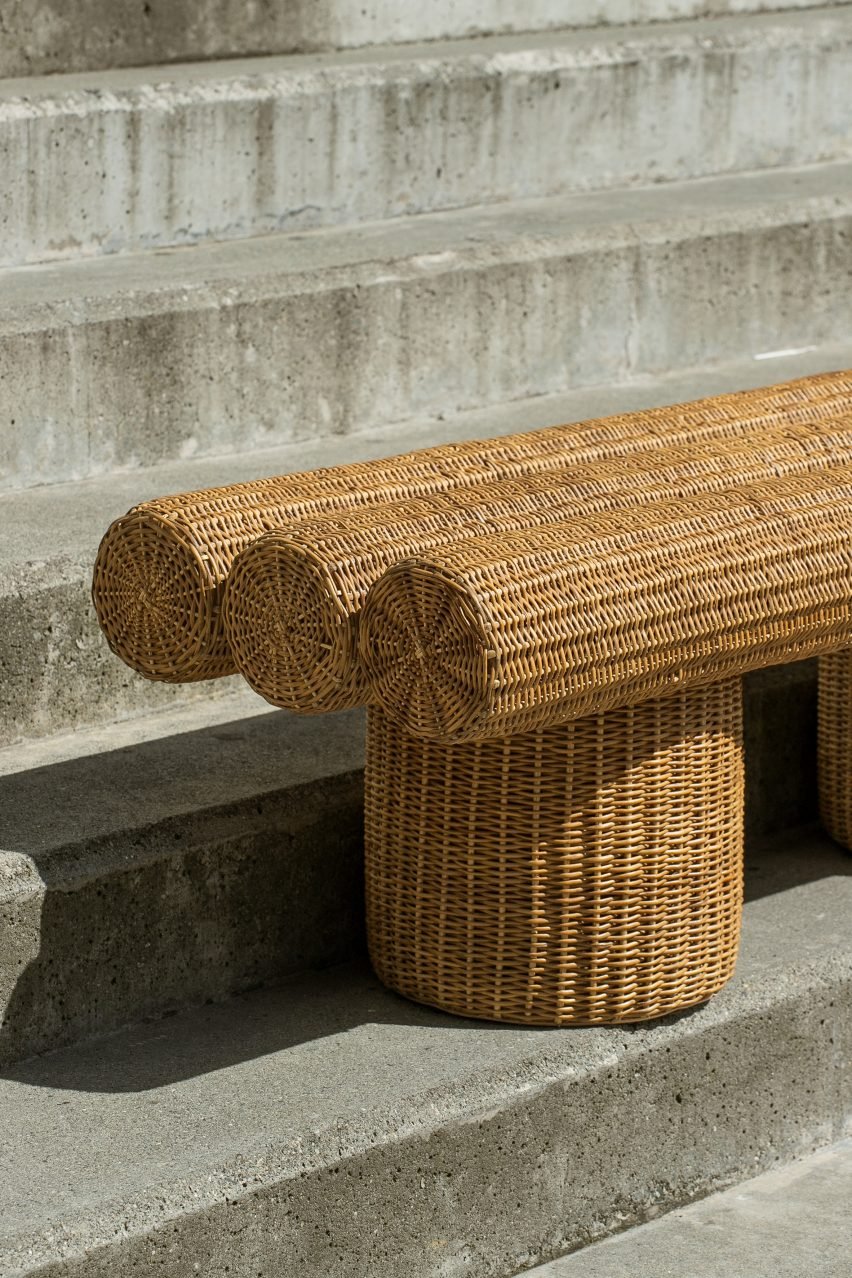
(556,764)
(554,804)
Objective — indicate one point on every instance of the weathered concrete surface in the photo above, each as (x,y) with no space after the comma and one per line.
(223,849)
(125,362)
(56,672)
(213,859)
(99,34)
(329,1129)
(791,1221)
(138,159)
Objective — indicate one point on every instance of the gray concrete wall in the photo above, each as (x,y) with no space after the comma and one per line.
(133,163)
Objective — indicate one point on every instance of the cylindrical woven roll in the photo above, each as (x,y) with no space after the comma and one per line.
(514,633)
(585,874)
(835,745)
(293,597)
(159,570)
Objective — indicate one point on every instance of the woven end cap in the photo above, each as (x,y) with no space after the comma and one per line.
(292,636)
(423,644)
(156,603)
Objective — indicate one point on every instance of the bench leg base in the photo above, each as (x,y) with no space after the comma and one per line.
(580,875)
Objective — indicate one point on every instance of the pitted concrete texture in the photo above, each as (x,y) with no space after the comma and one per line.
(330,1129)
(126,362)
(141,876)
(100,34)
(788,1223)
(147,158)
(57,672)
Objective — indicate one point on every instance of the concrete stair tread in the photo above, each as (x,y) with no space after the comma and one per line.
(117,35)
(329,1124)
(124,362)
(161,768)
(66,521)
(86,289)
(155,863)
(790,1221)
(298,141)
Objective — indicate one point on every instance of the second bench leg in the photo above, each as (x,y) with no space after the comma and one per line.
(835,745)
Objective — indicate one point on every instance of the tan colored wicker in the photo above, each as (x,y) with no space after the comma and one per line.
(835,745)
(159,571)
(517,632)
(293,597)
(588,873)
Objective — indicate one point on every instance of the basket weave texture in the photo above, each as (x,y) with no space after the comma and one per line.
(160,569)
(584,874)
(293,598)
(517,632)
(835,745)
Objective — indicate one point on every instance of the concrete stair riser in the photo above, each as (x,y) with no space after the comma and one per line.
(140,159)
(788,1221)
(116,929)
(100,34)
(125,363)
(330,1129)
(222,857)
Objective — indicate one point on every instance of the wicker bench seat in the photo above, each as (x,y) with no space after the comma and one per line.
(550,630)
(161,569)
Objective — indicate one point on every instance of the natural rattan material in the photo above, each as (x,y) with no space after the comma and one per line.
(584,874)
(159,571)
(293,598)
(835,745)
(513,633)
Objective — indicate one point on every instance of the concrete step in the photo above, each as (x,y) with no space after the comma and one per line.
(57,672)
(328,1128)
(222,850)
(100,34)
(149,865)
(790,1221)
(136,159)
(125,362)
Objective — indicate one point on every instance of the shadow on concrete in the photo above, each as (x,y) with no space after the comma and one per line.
(142,879)
(268,884)
(340,1000)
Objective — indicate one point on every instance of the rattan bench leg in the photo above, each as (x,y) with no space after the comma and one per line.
(835,745)
(584,874)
